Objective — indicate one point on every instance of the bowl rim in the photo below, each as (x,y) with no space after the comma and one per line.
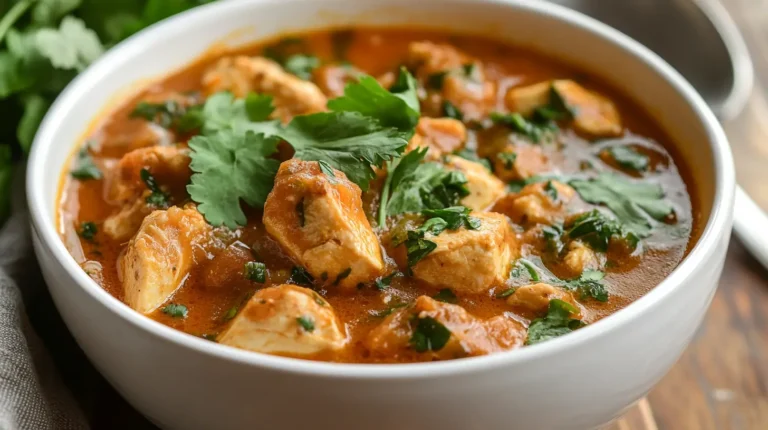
(710,238)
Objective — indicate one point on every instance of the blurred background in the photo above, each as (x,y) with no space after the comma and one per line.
(721,381)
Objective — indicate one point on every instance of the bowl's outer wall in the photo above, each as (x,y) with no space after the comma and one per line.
(587,384)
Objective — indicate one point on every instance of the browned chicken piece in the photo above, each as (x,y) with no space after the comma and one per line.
(241,75)
(442,135)
(140,135)
(539,203)
(469,335)
(478,259)
(169,165)
(158,259)
(464,84)
(285,319)
(580,257)
(535,298)
(484,188)
(319,222)
(333,78)
(520,161)
(594,114)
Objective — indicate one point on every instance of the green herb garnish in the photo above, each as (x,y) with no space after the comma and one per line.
(429,335)
(589,284)
(157,198)
(342,276)
(446,295)
(86,169)
(629,158)
(300,276)
(451,111)
(255,271)
(175,310)
(307,323)
(556,323)
(87,230)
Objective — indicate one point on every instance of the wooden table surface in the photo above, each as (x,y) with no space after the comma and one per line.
(721,381)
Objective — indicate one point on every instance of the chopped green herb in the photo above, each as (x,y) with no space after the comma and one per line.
(534,131)
(222,111)
(87,231)
(327,171)
(255,271)
(388,311)
(307,323)
(435,81)
(629,158)
(556,323)
(470,71)
(86,169)
(589,284)
(524,265)
(417,247)
(384,282)
(455,217)
(553,237)
(429,335)
(170,114)
(446,295)
(551,190)
(158,198)
(175,310)
(209,336)
(413,186)
(451,111)
(258,107)
(342,276)
(301,65)
(508,158)
(300,276)
(231,313)
(633,203)
(596,230)
(506,293)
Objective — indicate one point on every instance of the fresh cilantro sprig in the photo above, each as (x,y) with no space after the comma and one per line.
(589,285)
(429,334)
(597,230)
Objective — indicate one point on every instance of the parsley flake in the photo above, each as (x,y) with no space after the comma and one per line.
(306,323)
(300,276)
(86,169)
(255,271)
(87,231)
(157,198)
(429,335)
(175,310)
(556,323)
(446,295)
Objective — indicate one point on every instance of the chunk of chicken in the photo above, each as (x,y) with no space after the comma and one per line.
(158,259)
(320,223)
(440,135)
(535,298)
(288,320)
(464,84)
(539,203)
(241,75)
(477,259)
(470,336)
(169,165)
(520,161)
(143,134)
(484,188)
(594,114)
(580,257)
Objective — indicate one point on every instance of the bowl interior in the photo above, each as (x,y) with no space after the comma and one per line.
(549,30)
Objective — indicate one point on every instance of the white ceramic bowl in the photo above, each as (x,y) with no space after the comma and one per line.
(578,381)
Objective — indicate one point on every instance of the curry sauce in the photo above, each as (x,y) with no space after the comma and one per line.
(559,201)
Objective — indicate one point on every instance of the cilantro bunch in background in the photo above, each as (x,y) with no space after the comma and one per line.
(44,44)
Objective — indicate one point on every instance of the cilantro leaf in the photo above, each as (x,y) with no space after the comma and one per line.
(556,323)
(413,186)
(455,217)
(170,114)
(533,130)
(398,109)
(307,323)
(300,276)
(175,310)
(229,167)
(429,335)
(347,141)
(633,203)
(158,198)
(255,271)
(85,167)
(222,111)
(48,12)
(523,266)
(451,111)
(589,284)
(301,65)
(446,295)
(71,46)
(629,158)
(35,107)
(417,247)
(87,231)
(596,230)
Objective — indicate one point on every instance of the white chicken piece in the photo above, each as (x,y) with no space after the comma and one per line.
(469,335)
(288,320)
(158,259)
(241,75)
(535,298)
(484,188)
(478,259)
(319,221)
(580,257)
(594,114)
(168,165)
(539,203)
(440,135)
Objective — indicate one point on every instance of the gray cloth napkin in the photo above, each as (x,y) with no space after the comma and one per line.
(46,382)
